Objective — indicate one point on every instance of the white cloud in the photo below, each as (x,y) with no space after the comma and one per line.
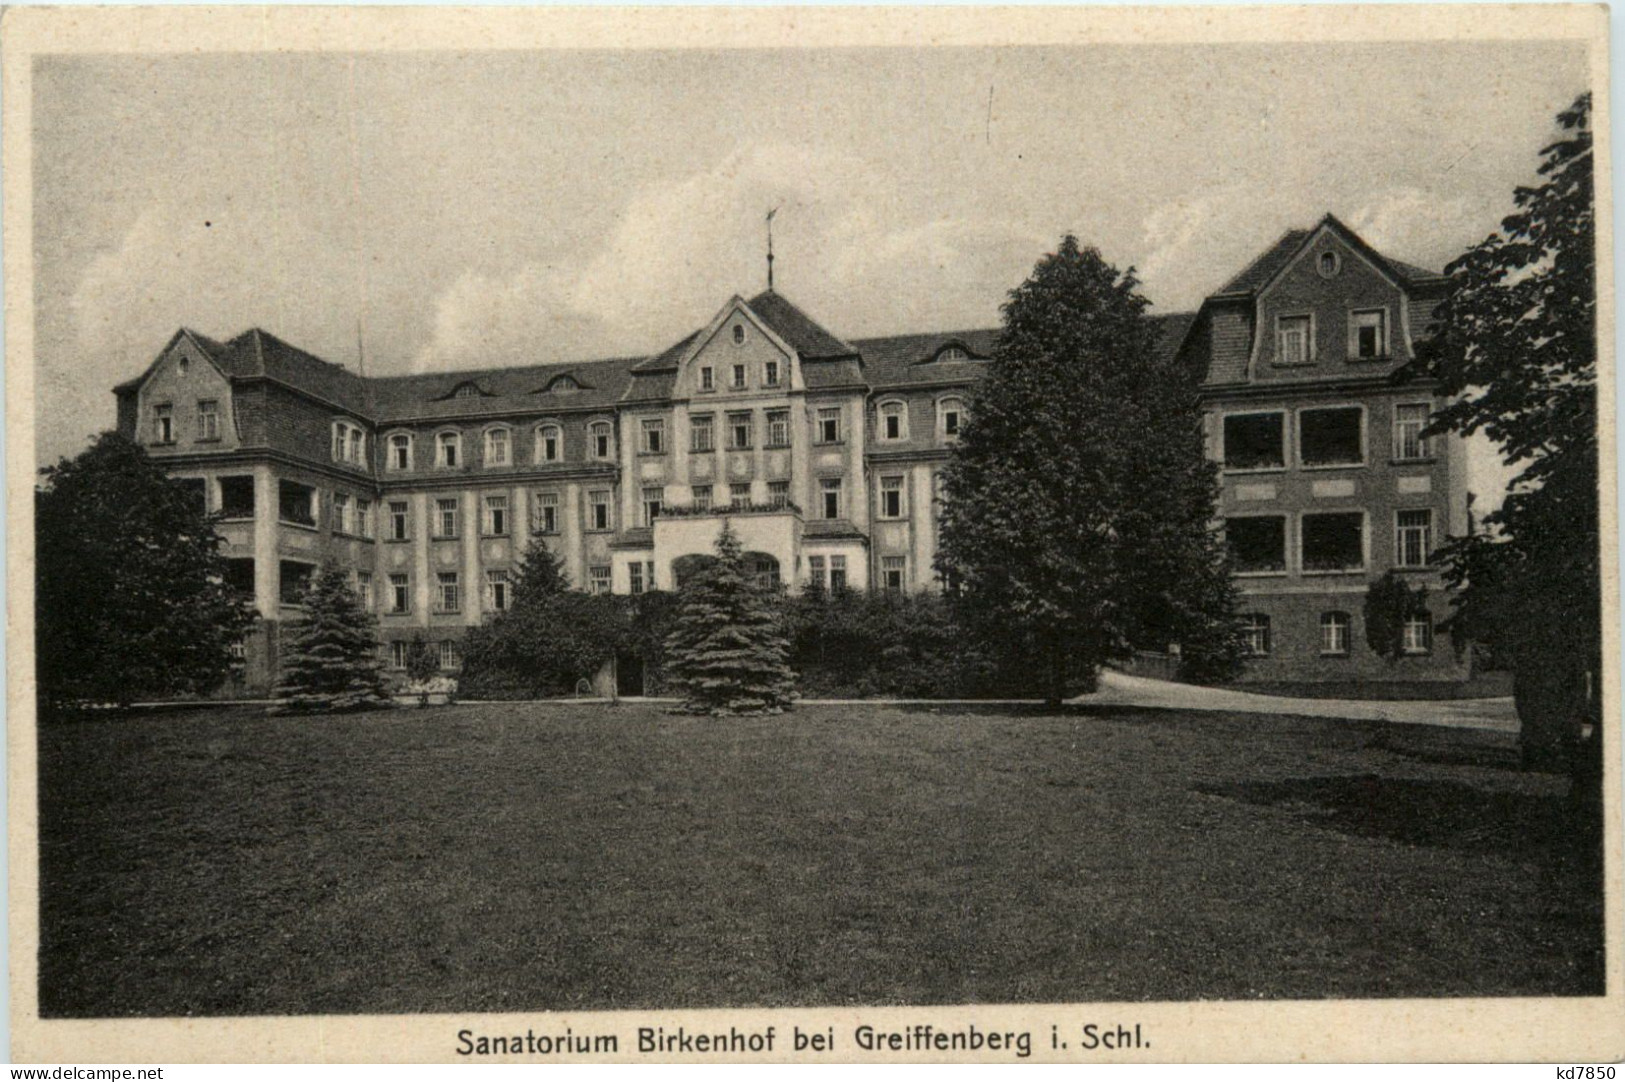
(1418,225)
(683,246)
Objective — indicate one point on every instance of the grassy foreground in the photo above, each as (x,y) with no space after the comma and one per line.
(569,856)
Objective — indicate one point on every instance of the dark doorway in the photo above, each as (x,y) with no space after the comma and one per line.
(628,675)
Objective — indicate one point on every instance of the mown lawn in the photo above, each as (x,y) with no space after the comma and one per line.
(570,856)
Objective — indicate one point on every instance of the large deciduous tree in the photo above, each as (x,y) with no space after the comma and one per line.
(1079,502)
(727,652)
(130,598)
(1516,352)
(331,663)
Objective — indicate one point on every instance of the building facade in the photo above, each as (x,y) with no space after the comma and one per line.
(824,455)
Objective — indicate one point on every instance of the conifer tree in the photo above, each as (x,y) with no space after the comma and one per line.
(331,662)
(727,652)
(1076,524)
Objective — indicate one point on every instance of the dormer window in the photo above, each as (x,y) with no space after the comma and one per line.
(953,353)
(349,443)
(893,421)
(498,447)
(549,443)
(467,390)
(448,447)
(400,452)
(563,383)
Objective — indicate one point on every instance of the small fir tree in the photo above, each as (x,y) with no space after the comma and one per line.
(727,652)
(331,664)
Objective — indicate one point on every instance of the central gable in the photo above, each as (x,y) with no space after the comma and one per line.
(736,337)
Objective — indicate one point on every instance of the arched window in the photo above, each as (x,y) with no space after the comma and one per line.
(953,353)
(448,450)
(549,443)
(400,452)
(349,443)
(601,440)
(498,446)
(1334,634)
(893,421)
(950,416)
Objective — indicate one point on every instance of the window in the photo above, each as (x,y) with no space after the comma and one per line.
(397,653)
(1414,542)
(1334,542)
(893,421)
(778,428)
(445,518)
(739,431)
(952,354)
(498,590)
(341,513)
(891,497)
(1255,634)
(950,415)
(829,425)
(1368,334)
(295,581)
(363,518)
(1328,265)
(598,511)
(163,424)
(708,378)
(363,589)
(400,594)
(738,374)
(643,576)
(1417,635)
(654,436)
(770,373)
(837,573)
(601,440)
(498,447)
(447,446)
(197,492)
(398,521)
(702,498)
(778,494)
(296,503)
(1257,544)
(496,516)
(1334,634)
(1294,344)
(700,435)
(400,453)
(1409,421)
(448,598)
(549,444)
(829,489)
(739,494)
(240,575)
(237,497)
(239,650)
(544,516)
(1331,437)
(763,571)
(739,335)
(449,658)
(598,575)
(349,443)
(208,419)
(1255,441)
(653,497)
(891,573)
(816,573)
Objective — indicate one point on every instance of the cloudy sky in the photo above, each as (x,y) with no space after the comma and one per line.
(461,210)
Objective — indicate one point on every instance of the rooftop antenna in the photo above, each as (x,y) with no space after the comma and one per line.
(360,347)
(770,214)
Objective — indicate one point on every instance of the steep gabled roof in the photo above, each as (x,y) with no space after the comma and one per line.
(1269,264)
(1275,259)
(205,345)
(799,331)
(257,353)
